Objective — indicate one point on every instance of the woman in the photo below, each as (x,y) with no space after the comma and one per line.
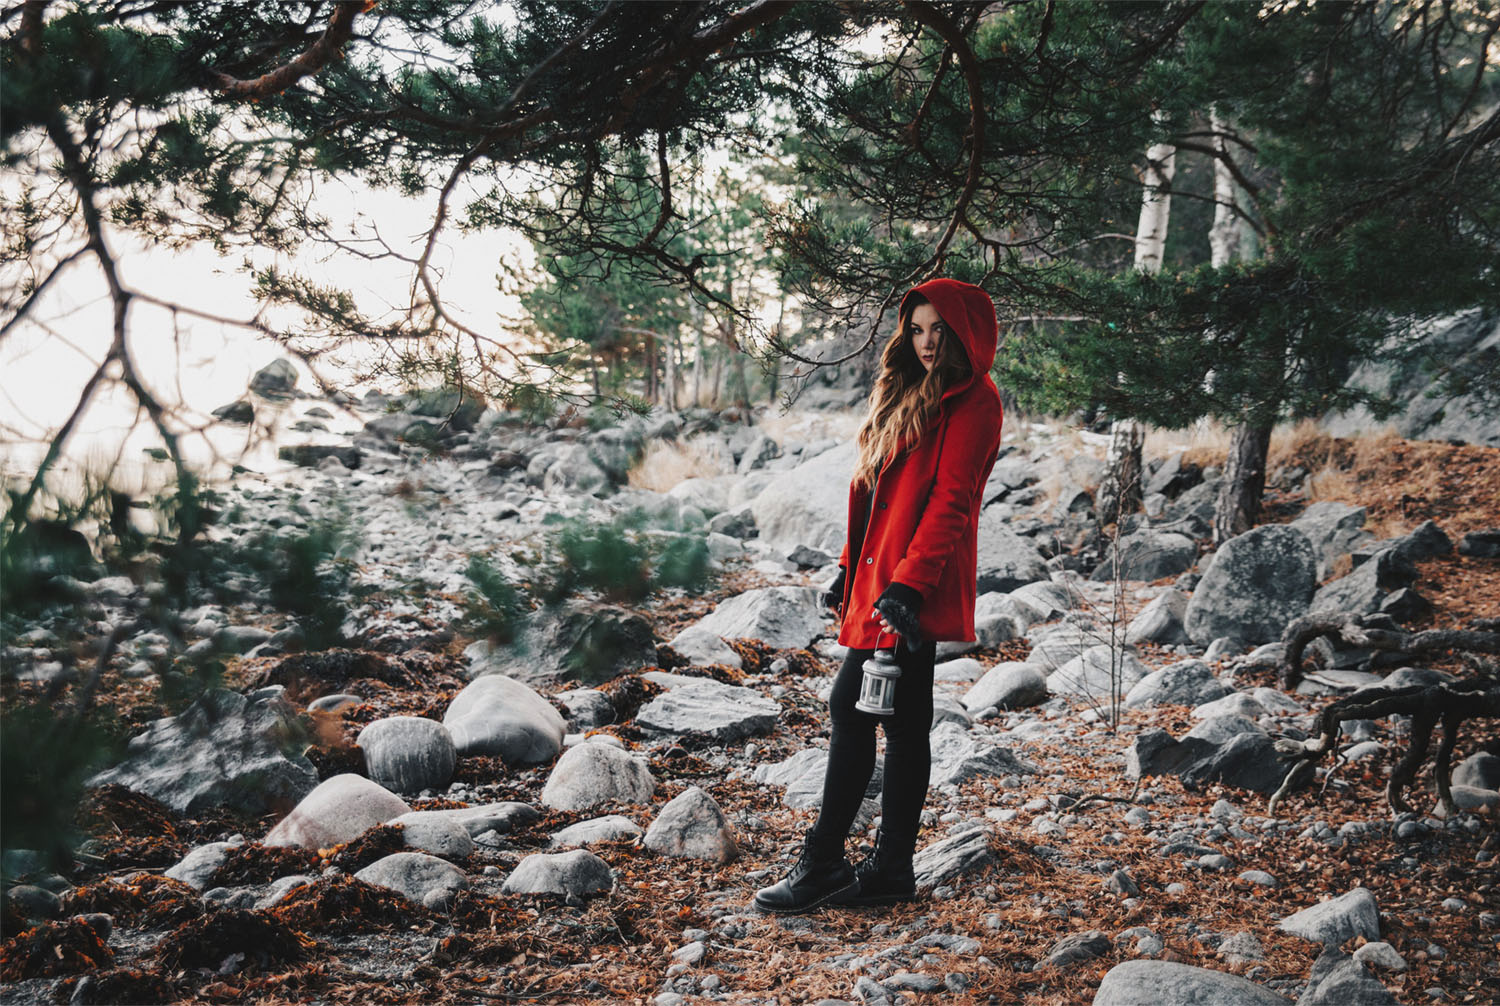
(925,452)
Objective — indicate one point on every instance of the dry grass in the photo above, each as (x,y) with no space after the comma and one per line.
(1203,444)
(835,424)
(667,463)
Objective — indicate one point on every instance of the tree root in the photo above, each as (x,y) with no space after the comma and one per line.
(1345,627)
(1427,705)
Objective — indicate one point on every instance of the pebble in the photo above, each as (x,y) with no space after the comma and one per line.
(1380,955)
(1455,905)
(1176,888)
(691,954)
(1260,878)
(1138,817)
(917,982)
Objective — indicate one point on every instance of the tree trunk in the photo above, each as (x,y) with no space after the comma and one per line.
(1224,237)
(1120,492)
(1238,504)
(669,382)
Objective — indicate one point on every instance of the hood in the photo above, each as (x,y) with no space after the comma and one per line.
(969,313)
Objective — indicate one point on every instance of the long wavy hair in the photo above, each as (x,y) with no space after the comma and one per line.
(906,395)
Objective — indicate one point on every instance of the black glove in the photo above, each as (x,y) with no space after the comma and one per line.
(901,605)
(834,595)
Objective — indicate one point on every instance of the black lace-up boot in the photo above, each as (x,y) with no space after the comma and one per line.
(885,875)
(820,875)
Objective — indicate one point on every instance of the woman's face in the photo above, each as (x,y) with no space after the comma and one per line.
(926,333)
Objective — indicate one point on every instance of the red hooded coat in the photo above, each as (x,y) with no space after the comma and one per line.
(924,508)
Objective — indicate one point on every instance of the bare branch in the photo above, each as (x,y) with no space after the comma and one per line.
(317,56)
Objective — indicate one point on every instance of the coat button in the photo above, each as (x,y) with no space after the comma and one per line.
(882,506)
(869,560)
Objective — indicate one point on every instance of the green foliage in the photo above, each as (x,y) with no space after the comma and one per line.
(622,559)
(494,607)
(306,575)
(44,759)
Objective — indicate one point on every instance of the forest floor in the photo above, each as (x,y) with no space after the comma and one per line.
(340,942)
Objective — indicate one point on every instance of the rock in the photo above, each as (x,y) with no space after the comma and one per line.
(807,505)
(692,826)
(1185,683)
(241,413)
(994,606)
(1426,541)
(598,829)
(591,774)
(1148,554)
(1381,956)
(198,866)
(1160,621)
(1075,948)
(1241,948)
(1334,529)
(574,472)
(223,750)
(1481,544)
(737,523)
(34,903)
(1259,878)
(333,703)
(279,377)
(1257,583)
(946,709)
(435,832)
(702,647)
(587,708)
(1098,673)
(1246,759)
(575,874)
(789,770)
(1339,980)
(965,852)
(1233,704)
(1470,800)
(781,617)
(1049,598)
(1006,560)
(958,755)
(1062,644)
(407,754)
(582,641)
(1165,983)
(498,715)
(420,878)
(1010,685)
(1333,921)
(710,709)
(1481,771)
(1362,591)
(966,670)
(312,455)
(497,817)
(340,810)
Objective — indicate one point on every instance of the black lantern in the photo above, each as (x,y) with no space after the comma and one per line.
(877,688)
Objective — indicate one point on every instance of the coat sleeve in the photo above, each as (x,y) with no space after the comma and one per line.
(970,442)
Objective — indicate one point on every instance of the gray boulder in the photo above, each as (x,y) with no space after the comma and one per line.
(1160,621)
(1333,921)
(498,715)
(1480,771)
(1185,683)
(598,829)
(711,709)
(500,817)
(579,641)
(313,455)
(241,413)
(958,755)
(435,832)
(1023,614)
(1010,685)
(1148,554)
(1053,647)
(702,647)
(1006,560)
(574,472)
(279,377)
(224,750)
(1245,759)
(1076,948)
(781,617)
(587,708)
(966,851)
(340,810)
(1339,980)
(1481,544)
(198,866)
(1049,598)
(1097,673)
(407,754)
(1334,530)
(1257,583)
(691,826)
(590,774)
(809,504)
(1363,591)
(416,876)
(1165,983)
(575,874)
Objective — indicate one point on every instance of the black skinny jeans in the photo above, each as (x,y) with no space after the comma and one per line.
(851,752)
